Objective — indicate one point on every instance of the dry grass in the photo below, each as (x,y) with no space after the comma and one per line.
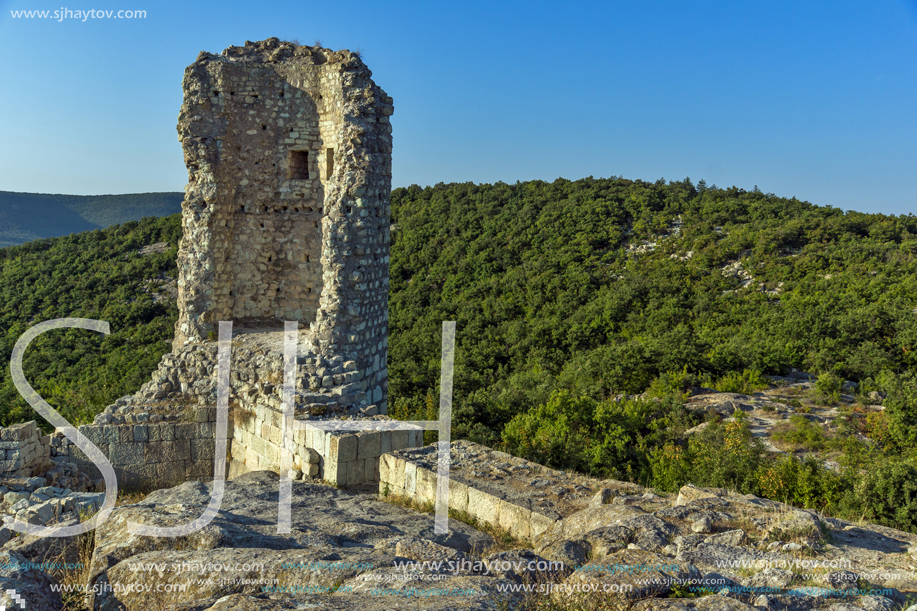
(71,567)
(127,496)
(239,416)
(581,601)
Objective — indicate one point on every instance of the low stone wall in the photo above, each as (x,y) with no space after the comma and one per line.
(354,458)
(148,454)
(521,497)
(24,451)
(343,458)
(185,384)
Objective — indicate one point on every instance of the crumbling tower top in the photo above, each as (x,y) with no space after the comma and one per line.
(286,211)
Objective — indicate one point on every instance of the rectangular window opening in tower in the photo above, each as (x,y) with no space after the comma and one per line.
(329,162)
(298,165)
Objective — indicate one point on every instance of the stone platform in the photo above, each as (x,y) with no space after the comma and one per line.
(522,497)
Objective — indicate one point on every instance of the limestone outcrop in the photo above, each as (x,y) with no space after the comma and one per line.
(611,542)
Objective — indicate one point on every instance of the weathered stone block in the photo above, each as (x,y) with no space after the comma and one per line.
(343,448)
(202,450)
(515,519)
(137,475)
(10,465)
(425,488)
(355,472)
(167,432)
(458,496)
(141,432)
(251,459)
(539,523)
(484,506)
(18,432)
(93,433)
(258,444)
(274,435)
(399,440)
(176,472)
(386,466)
(202,469)
(335,472)
(186,430)
(272,456)
(167,451)
(128,453)
(410,478)
(369,445)
(79,456)
(316,439)
(111,434)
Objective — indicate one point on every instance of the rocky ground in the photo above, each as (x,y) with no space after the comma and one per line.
(628,547)
(769,412)
(59,491)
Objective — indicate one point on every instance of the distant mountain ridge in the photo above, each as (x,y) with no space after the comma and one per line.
(31,216)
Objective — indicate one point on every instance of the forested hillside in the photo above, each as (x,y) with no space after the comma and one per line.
(552,285)
(97,274)
(30,216)
(571,298)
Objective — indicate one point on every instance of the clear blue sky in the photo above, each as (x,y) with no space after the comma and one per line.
(816,100)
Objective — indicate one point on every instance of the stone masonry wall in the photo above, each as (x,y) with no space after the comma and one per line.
(184,387)
(147,454)
(24,451)
(339,457)
(287,145)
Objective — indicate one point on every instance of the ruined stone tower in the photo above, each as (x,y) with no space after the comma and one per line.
(285,218)
(286,211)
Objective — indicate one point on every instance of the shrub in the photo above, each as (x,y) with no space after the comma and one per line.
(417,408)
(901,407)
(885,492)
(611,438)
(670,466)
(724,455)
(673,384)
(748,382)
(877,428)
(801,432)
(801,482)
(556,433)
(828,387)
